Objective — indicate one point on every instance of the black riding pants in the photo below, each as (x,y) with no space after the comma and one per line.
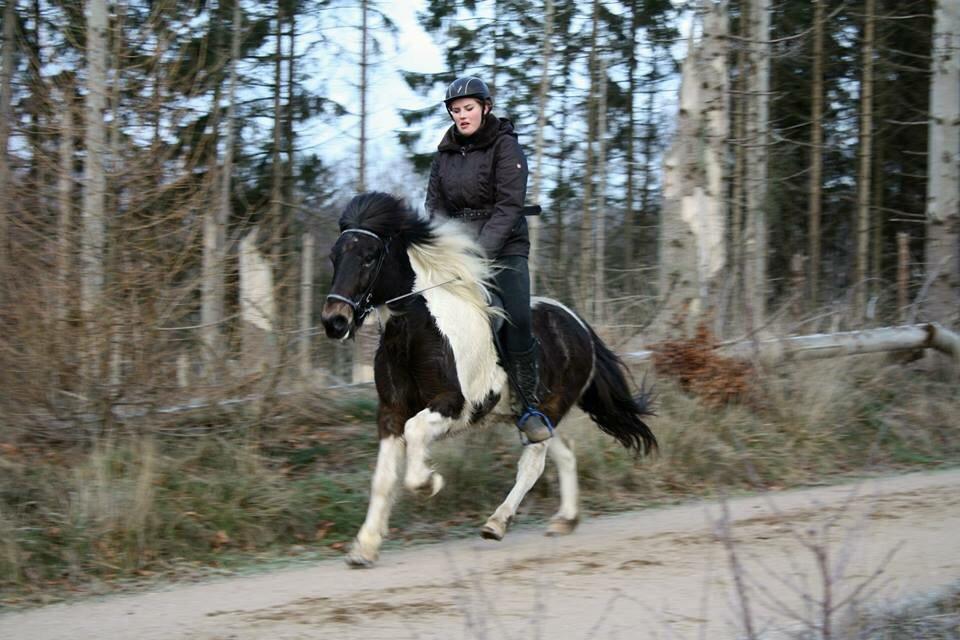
(513,282)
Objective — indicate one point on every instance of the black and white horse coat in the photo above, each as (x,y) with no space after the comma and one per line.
(437,371)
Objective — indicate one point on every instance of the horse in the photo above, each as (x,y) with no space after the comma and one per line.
(436,369)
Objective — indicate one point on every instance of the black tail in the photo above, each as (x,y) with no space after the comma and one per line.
(611,405)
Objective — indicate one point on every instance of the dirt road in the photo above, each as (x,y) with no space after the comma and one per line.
(660,573)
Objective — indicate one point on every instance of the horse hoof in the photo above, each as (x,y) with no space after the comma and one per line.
(356,559)
(492,530)
(561,526)
(430,487)
(436,483)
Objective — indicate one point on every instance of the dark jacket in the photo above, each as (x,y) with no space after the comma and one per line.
(485,171)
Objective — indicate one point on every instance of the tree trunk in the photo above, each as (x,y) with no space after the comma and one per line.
(630,222)
(94,188)
(865,157)
(641,237)
(6,98)
(365,340)
(585,294)
(692,238)
(257,306)
(815,191)
(943,168)
(903,274)
(115,251)
(215,220)
(832,345)
(600,270)
(276,161)
(561,262)
(364,63)
(755,179)
(306,304)
(738,199)
(65,231)
(542,101)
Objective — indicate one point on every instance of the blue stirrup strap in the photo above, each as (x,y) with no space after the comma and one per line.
(528,413)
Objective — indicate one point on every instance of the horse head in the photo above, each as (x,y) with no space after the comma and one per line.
(370,264)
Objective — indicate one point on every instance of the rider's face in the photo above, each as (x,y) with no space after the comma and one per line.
(467,114)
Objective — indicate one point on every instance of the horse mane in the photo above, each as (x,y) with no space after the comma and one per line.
(455,279)
(440,251)
(385,215)
(452,256)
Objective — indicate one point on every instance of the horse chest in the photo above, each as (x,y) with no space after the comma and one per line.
(414,355)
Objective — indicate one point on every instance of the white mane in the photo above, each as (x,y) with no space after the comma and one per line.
(461,307)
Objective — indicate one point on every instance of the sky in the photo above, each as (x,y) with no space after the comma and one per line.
(412,50)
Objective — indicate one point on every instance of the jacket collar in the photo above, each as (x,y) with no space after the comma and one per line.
(493,127)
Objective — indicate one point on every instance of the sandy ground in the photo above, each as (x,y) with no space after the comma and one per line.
(660,573)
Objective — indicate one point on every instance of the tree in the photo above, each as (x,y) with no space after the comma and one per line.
(6,97)
(215,221)
(815,192)
(692,236)
(943,172)
(756,164)
(94,186)
(539,151)
(865,157)
(585,292)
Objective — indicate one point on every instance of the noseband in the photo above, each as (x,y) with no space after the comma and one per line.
(362,305)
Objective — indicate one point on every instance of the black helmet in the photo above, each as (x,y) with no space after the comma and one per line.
(467,87)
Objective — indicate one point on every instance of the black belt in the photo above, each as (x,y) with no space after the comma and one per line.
(483,214)
(471,214)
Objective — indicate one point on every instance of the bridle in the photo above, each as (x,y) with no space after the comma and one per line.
(362,305)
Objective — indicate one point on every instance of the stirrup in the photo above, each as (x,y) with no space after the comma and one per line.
(528,413)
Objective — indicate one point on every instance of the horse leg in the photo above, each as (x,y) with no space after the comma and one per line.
(529,470)
(366,546)
(419,431)
(567,518)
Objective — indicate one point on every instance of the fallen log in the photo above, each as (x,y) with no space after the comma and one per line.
(831,345)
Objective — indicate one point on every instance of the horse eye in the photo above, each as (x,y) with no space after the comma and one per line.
(368,262)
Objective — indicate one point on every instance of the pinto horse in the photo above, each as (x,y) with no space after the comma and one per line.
(436,368)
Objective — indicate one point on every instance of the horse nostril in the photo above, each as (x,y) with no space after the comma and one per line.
(336,326)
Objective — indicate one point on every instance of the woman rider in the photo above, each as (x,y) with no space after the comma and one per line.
(479,175)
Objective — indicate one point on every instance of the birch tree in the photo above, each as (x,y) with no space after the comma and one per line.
(755,179)
(94,184)
(943,168)
(692,237)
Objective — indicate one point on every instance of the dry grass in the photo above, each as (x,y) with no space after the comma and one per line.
(935,619)
(143,505)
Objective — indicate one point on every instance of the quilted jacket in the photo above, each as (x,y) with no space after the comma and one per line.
(485,172)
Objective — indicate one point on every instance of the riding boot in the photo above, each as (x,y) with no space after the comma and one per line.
(534,424)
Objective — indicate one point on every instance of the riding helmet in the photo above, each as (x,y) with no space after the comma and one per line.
(467,87)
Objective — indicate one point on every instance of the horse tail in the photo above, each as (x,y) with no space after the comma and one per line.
(610,404)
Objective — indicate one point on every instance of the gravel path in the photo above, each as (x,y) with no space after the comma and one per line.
(660,573)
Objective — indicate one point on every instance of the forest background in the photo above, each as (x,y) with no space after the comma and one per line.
(172,171)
